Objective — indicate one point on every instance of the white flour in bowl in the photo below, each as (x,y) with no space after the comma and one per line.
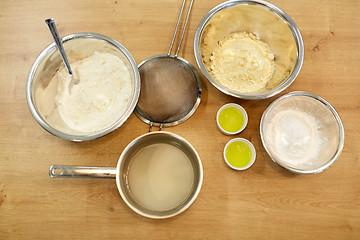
(295,137)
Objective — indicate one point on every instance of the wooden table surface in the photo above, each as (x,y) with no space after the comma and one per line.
(264,202)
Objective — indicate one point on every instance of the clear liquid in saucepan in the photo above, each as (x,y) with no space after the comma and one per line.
(160,177)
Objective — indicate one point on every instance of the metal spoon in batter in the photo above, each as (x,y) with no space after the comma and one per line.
(53,30)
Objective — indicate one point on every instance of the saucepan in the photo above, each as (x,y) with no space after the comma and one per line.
(121,173)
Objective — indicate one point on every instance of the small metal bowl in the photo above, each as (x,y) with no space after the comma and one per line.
(77,46)
(268,22)
(328,122)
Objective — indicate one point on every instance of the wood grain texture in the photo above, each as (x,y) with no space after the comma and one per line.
(264,202)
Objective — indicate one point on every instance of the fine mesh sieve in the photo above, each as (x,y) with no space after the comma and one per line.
(170,86)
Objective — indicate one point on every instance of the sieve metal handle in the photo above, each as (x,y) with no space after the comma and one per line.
(83,172)
(151,125)
(177,26)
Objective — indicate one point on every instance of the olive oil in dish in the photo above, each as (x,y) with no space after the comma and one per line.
(231,119)
(238,154)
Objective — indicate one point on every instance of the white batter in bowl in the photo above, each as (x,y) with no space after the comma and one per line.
(101,97)
(107,94)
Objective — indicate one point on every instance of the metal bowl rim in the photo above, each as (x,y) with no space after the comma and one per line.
(326,104)
(121,159)
(111,128)
(280,13)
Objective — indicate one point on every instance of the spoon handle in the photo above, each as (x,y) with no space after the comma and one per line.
(52,27)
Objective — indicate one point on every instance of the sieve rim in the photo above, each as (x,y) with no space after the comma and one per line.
(182,118)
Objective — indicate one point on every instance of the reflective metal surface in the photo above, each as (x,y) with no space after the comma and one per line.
(41,91)
(146,140)
(170,90)
(170,86)
(56,171)
(272,25)
(122,170)
(326,116)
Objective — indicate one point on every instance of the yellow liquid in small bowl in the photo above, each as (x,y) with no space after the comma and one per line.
(238,154)
(231,119)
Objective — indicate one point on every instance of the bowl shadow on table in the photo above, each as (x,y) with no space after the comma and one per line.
(95,143)
(101,152)
(266,160)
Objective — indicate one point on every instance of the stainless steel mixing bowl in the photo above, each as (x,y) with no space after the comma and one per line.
(272,25)
(329,125)
(77,46)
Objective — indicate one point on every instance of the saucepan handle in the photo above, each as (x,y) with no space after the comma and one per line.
(80,171)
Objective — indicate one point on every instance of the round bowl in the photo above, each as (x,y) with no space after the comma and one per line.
(41,97)
(232,118)
(238,149)
(272,25)
(302,132)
